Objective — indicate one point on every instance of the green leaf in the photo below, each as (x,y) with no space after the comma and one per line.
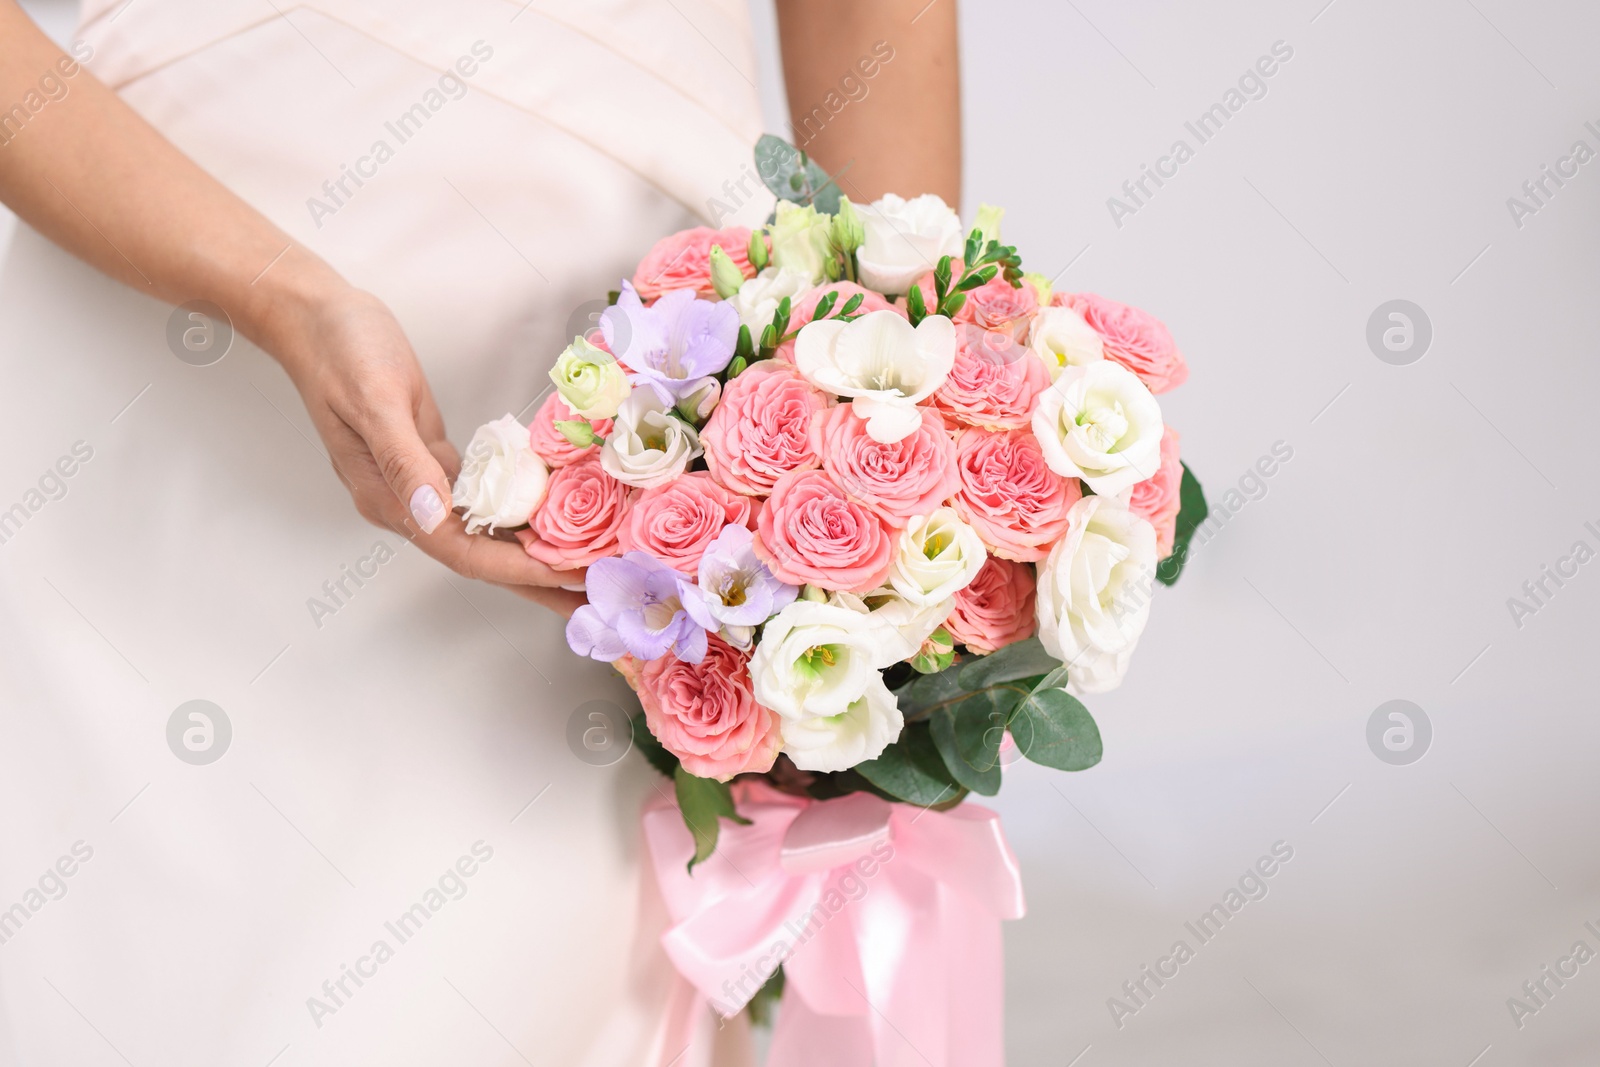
(1192,511)
(825,305)
(651,749)
(778,163)
(765,1002)
(912,770)
(968,735)
(851,305)
(953,304)
(1023,659)
(704,802)
(923,694)
(1052,728)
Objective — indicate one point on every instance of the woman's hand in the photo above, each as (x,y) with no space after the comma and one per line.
(367,396)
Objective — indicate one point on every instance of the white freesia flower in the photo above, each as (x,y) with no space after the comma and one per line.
(904,239)
(648,445)
(1061,338)
(757,299)
(938,556)
(839,742)
(502,480)
(800,239)
(1098,422)
(1094,592)
(883,363)
(590,380)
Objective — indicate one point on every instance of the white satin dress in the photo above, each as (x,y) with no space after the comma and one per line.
(160,911)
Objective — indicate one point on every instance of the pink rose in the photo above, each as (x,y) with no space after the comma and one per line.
(683,261)
(996,609)
(998,305)
(706,713)
(675,522)
(579,519)
(761,430)
(1136,339)
(994,305)
(1010,495)
(1157,498)
(811,532)
(994,382)
(912,476)
(550,444)
(804,307)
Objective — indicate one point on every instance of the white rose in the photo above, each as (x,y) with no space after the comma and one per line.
(939,555)
(1094,592)
(757,299)
(818,659)
(1061,338)
(502,480)
(904,239)
(648,445)
(884,364)
(839,742)
(1098,422)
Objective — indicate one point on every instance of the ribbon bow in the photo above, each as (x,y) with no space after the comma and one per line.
(885,918)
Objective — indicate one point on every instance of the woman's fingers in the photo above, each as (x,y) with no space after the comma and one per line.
(488,559)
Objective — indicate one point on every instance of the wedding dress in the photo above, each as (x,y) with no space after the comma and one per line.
(393,763)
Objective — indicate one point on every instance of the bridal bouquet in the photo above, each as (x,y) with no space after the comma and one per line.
(862,507)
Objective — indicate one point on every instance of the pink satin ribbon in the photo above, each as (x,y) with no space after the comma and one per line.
(885,917)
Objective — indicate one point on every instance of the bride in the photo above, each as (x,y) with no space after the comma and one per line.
(279,787)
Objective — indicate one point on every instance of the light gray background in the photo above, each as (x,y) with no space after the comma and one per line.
(1379,563)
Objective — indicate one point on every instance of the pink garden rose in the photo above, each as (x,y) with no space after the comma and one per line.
(579,519)
(994,382)
(812,533)
(804,307)
(912,476)
(683,261)
(548,442)
(1157,500)
(996,609)
(1010,495)
(761,430)
(1136,339)
(706,713)
(675,522)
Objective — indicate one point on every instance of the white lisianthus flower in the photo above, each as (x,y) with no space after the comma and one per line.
(884,364)
(800,240)
(938,556)
(904,623)
(1099,422)
(818,659)
(904,239)
(1094,592)
(757,299)
(502,479)
(838,742)
(1061,338)
(590,380)
(648,445)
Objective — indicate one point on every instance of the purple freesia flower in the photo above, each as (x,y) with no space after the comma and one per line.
(736,592)
(675,345)
(634,609)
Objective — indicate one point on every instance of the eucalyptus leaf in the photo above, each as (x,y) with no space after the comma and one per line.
(778,163)
(968,735)
(912,770)
(1051,727)
(1192,511)
(1023,659)
(704,802)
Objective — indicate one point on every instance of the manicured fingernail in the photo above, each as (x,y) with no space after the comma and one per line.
(427,508)
(579,588)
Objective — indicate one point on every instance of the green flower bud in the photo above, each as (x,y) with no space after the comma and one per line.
(725,275)
(758,251)
(847,232)
(578,432)
(988,222)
